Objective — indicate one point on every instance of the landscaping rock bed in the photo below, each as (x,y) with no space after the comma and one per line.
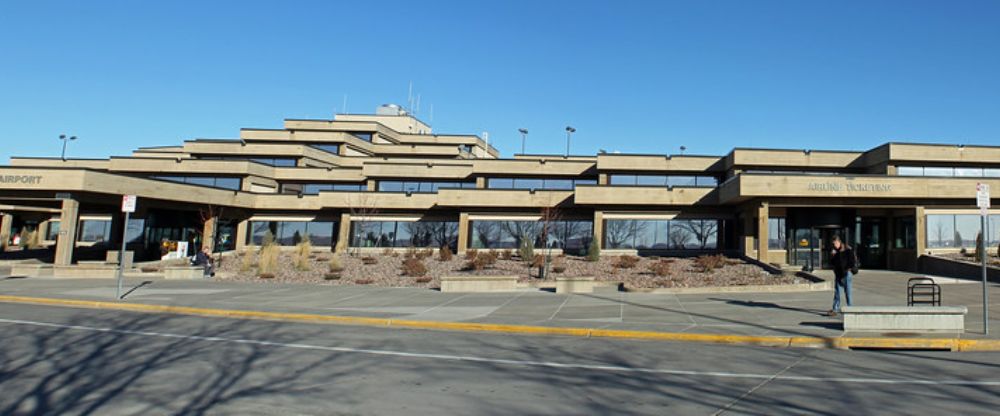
(970,257)
(636,272)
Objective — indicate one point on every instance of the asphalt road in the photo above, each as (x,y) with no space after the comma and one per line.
(80,361)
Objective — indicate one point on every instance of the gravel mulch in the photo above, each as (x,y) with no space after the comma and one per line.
(387,272)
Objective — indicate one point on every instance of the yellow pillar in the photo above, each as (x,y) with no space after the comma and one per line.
(602,179)
(463,232)
(921,232)
(5,224)
(343,234)
(480,183)
(69,218)
(762,231)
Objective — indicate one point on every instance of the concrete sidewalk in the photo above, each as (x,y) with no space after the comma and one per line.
(757,314)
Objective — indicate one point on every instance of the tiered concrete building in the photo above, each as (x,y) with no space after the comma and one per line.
(386,180)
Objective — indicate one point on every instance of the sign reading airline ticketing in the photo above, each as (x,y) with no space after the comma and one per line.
(983,197)
(128,203)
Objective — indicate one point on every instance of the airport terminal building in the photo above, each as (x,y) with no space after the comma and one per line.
(387,180)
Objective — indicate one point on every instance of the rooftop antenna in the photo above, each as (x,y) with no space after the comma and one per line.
(432,113)
(416,110)
(409,97)
(344,108)
(486,138)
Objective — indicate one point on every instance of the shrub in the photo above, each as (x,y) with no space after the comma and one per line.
(266,276)
(489,257)
(625,261)
(527,250)
(149,269)
(267,239)
(537,261)
(364,281)
(414,268)
(471,254)
(559,264)
(302,252)
(423,279)
(246,262)
(332,276)
(558,269)
(507,254)
(444,253)
(594,251)
(661,268)
(267,262)
(425,254)
(480,262)
(335,265)
(709,263)
(369,260)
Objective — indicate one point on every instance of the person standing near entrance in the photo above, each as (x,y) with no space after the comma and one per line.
(844,264)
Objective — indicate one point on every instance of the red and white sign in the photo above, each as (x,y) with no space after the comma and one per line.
(128,203)
(983,197)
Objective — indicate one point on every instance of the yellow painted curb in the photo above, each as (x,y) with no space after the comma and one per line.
(953,344)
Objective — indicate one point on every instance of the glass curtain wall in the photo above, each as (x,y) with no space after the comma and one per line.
(431,234)
(569,235)
(687,234)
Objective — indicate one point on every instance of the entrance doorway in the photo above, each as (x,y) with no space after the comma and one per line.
(870,242)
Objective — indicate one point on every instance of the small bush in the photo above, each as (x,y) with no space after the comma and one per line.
(489,257)
(471,254)
(660,268)
(364,281)
(302,252)
(335,265)
(246,261)
(331,276)
(594,251)
(424,279)
(558,269)
(709,263)
(414,268)
(480,262)
(444,253)
(149,269)
(537,261)
(625,261)
(425,254)
(388,252)
(507,254)
(266,276)
(267,262)
(369,260)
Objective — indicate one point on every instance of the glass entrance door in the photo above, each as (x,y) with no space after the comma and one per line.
(826,242)
(870,242)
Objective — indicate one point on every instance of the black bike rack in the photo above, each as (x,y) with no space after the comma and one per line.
(922,291)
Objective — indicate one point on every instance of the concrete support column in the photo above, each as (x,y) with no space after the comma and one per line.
(5,224)
(480,183)
(921,232)
(746,244)
(242,235)
(598,228)
(69,217)
(463,232)
(372,185)
(343,234)
(763,215)
(602,179)
(208,233)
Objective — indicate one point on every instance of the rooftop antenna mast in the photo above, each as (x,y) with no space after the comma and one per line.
(409,98)
(344,108)
(432,113)
(416,110)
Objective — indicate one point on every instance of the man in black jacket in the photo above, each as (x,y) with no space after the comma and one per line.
(204,259)
(843,261)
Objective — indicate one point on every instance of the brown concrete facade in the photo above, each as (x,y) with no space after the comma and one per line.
(372,181)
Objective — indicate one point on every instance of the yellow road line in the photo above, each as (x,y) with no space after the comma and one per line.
(953,344)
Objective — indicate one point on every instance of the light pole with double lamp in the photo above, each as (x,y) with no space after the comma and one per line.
(65,140)
(524,136)
(569,132)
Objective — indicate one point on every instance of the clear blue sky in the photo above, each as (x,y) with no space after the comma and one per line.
(631,76)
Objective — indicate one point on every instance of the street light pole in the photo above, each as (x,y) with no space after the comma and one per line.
(65,140)
(569,132)
(524,136)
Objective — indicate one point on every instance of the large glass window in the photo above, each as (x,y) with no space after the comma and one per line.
(910,171)
(52,233)
(422,187)
(557,184)
(290,233)
(776,238)
(905,233)
(329,148)
(316,188)
(664,180)
(967,228)
(684,234)
(941,231)
(569,235)
(363,136)
(95,231)
(948,171)
(210,181)
(404,234)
